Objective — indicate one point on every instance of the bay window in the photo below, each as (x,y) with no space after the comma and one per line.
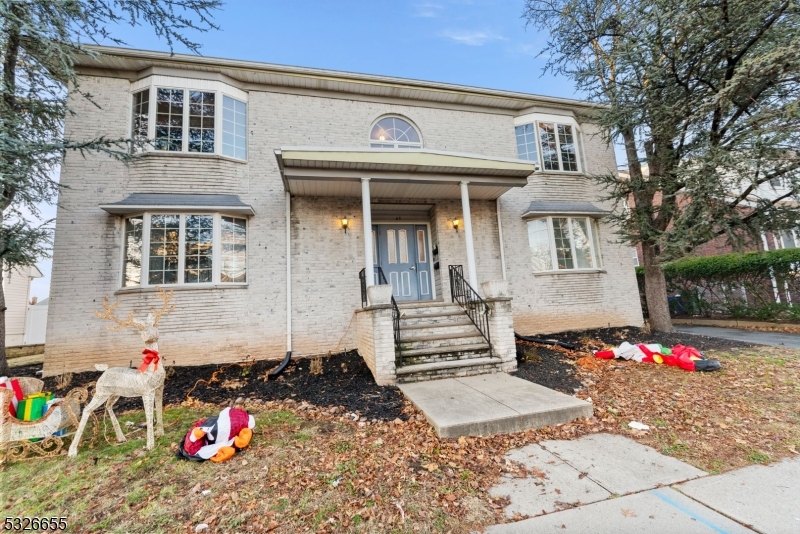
(564,243)
(184,249)
(550,143)
(187,119)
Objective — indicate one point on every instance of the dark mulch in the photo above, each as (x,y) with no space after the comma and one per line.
(555,368)
(345,381)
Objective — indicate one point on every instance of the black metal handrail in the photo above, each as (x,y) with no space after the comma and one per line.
(475,307)
(381,279)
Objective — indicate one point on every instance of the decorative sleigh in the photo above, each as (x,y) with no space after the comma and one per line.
(16,435)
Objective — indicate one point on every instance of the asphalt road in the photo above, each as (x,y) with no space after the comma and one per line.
(777,339)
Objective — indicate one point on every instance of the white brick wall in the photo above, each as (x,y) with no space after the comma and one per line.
(221,325)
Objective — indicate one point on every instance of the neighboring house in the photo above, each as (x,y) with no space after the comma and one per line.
(263,181)
(720,245)
(16,289)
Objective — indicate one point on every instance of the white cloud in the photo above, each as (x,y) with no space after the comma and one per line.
(471,37)
(428,11)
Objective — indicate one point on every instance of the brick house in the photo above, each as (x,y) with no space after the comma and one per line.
(720,245)
(314,211)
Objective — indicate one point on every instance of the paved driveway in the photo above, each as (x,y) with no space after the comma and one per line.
(778,339)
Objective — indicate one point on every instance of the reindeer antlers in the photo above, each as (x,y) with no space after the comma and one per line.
(108,312)
(108,315)
(166,308)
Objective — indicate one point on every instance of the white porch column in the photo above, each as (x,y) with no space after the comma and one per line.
(473,276)
(368,253)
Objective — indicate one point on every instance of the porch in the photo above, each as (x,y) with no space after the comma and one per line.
(423,312)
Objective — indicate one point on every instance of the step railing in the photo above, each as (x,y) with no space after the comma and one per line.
(473,305)
(381,279)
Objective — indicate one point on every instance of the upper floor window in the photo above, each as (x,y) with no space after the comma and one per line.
(394,132)
(552,144)
(188,120)
(184,249)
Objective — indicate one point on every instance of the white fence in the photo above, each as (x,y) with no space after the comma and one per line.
(35,324)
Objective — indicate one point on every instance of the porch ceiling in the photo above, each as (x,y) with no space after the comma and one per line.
(398,174)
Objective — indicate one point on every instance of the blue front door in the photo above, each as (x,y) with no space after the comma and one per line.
(402,253)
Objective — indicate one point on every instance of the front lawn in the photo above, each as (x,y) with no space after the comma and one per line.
(317,468)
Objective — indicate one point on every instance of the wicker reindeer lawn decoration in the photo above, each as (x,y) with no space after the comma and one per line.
(147,381)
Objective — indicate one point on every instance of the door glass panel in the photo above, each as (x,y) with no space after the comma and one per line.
(374,249)
(421,258)
(391,246)
(403,238)
(563,246)
(583,248)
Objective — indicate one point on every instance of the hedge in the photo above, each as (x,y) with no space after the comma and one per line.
(735,285)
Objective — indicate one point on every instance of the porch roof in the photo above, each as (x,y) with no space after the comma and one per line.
(178,202)
(398,173)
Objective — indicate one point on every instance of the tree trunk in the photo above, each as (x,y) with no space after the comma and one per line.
(655,286)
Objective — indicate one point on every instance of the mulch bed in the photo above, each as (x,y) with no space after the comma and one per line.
(555,368)
(345,381)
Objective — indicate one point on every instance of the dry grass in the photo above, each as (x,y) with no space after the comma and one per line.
(319,470)
(749,412)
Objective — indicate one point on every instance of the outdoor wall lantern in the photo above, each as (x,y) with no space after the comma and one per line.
(455,224)
(345,222)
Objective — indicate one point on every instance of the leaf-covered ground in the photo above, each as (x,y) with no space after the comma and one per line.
(320,469)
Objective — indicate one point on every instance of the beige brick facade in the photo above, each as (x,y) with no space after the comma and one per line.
(224,324)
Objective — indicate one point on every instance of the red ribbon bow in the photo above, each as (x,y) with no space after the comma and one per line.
(150,356)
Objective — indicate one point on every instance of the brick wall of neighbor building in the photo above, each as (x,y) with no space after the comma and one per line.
(232,324)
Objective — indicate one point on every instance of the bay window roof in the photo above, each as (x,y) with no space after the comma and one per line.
(551,207)
(137,202)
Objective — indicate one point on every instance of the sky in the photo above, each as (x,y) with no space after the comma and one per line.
(481,43)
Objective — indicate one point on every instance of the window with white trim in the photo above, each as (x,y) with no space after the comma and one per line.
(394,132)
(564,243)
(184,249)
(188,120)
(551,144)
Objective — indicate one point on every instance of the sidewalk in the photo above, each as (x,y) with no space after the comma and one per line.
(606,483)
(778,339)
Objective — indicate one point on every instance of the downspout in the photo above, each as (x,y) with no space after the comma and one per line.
(278,370)
(500,234)
(288,272)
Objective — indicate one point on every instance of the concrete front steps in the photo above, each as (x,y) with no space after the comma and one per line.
(440,341)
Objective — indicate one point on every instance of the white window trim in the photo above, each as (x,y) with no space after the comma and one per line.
(596,257)
(396,144)
(216,256)
(153,83)
(577,135)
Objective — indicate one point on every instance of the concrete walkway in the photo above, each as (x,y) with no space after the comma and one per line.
(490,404)
(605,483)
(778,339)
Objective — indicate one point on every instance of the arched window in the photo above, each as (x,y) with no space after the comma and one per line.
(394,132)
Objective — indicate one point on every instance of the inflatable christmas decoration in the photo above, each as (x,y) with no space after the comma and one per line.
(218,438)
(687,358)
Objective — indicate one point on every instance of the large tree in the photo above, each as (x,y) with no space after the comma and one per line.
(39,42)
(705,94)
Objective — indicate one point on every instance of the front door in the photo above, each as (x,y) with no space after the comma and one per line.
(402,253)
